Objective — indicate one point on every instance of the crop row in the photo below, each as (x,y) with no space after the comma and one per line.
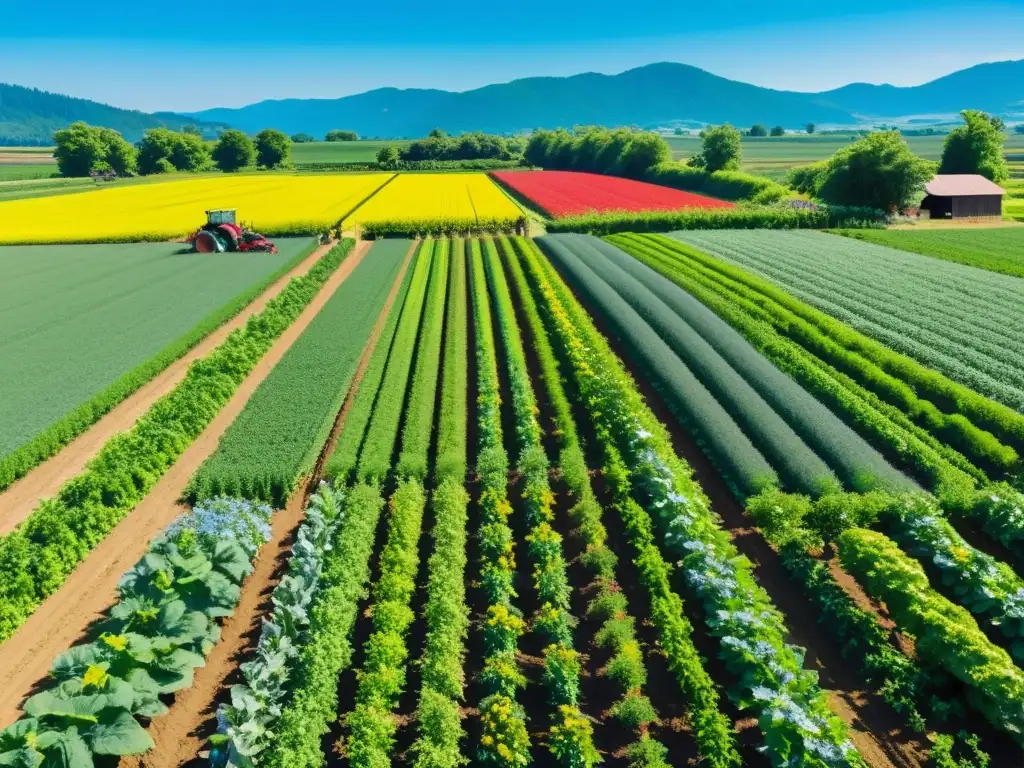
(955,319)
(447,615)
(278,435)
(343,460)
(633,710)
(794,716)
(37,558)
(69,426)
(149,644)
(371,724)
(571,735)
(416,433)
(504,740)
(382,430)
(246,726)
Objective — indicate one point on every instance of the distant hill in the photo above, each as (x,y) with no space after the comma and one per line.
(656,95)
(650,96)
(29,116)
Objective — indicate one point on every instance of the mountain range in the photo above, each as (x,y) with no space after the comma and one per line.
(656,95)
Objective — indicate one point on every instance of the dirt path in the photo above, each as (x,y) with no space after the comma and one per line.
(63,619)
(20,499)
(181,734)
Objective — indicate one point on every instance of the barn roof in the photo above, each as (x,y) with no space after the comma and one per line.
(961,184)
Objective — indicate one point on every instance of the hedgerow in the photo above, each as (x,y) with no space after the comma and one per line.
(438,227)
(571,737)
(419,418)
(328,647)
(279,434)
(345,456)
(505,741)
(608,605)
(47,443)
(149,644)
(735,388)
(714,429)
(740,217)
(727,185)
(37,557)
(371,723)
(893,377)
(857,463)
(382,430)
(888,427)
(947,636)
(795,719)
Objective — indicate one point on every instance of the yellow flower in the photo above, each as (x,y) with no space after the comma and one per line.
(117,642)
(94,677)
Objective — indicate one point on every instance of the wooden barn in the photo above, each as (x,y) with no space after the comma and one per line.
(962,196)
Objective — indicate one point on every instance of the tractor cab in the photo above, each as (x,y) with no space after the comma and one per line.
(221,216)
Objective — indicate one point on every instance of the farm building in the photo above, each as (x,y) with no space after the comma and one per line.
(962,196)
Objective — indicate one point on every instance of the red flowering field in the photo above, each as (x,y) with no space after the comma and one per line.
(568,193)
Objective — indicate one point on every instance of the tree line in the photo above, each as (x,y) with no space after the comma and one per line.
(438,146)
(82,150)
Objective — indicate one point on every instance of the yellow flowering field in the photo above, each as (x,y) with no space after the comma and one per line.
(467,197)
(271,203)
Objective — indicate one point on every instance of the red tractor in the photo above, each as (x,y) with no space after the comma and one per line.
(221,233)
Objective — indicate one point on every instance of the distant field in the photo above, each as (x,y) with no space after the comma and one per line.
(21,171)
(75,319)
(775,156)
(997,250)
(340,151)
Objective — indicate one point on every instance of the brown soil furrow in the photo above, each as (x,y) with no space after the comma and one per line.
(63,619)
(177,737)
(20,499)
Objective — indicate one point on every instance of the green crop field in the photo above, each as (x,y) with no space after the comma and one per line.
(22,171)
(1000,249)
(963,321)
(340,151)
(75,319)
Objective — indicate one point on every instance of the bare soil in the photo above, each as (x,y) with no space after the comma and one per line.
(21,498)
(65,617)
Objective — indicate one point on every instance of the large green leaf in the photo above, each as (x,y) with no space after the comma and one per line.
(77,709)
(68,751)
(23,757)
(74,661)
(118,733)
(231,559)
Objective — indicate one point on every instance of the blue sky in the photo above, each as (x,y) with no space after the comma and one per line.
(183,58)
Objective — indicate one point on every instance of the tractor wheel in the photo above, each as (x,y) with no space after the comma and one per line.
(208,242)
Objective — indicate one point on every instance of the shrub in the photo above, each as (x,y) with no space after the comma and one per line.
(302,138)
(720,150)
(757,129)
(727,185)
(778,130)
(337,135)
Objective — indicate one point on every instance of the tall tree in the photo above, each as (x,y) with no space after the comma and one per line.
(976,147)
(720,149)
(272,148)
(234,151)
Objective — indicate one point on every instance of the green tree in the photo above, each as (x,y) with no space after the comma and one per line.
(191,130)
(79,148)
(337,135)
(757,129)
(778,130)
(233,151)
(437,133)
(387,157)
(117,152)
(157,144)
(644,151)
(877,171)
(302,138)
(810,127)
(273,148)
(976,147)
(677,132)
(189,152)
(720,149)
